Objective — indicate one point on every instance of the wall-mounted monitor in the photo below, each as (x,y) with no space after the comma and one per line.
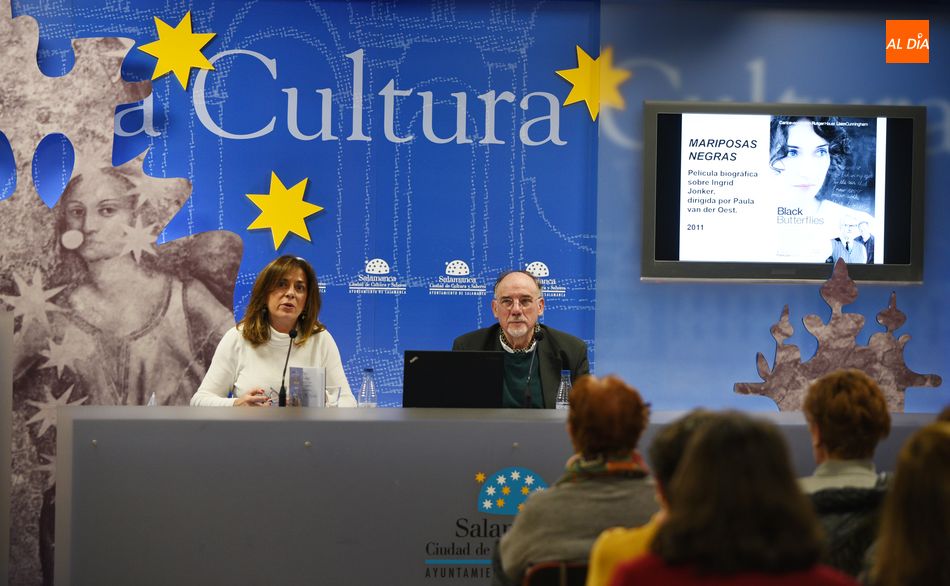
(781,191)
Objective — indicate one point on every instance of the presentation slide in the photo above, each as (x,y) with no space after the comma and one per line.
(760,188)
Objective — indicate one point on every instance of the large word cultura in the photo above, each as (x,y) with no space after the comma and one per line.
(536,131)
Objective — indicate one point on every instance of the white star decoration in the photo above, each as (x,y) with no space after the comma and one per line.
(66,353)
(33,301)
(46,416)
(500,480)
(529,480)
(487,504)
(490,491)
(515,475)
(139,239)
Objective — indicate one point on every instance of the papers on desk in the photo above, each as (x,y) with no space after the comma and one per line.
(307,386)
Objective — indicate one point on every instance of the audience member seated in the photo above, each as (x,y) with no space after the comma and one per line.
(847,417)
(605,482)
(620,544)
(914,544)
(736,516)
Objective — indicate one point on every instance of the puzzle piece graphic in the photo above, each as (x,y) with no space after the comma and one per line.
(94,298)
(882,359)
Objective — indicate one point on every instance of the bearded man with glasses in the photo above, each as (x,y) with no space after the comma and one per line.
(535,354)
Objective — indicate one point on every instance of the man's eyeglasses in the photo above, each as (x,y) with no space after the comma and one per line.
(509,303)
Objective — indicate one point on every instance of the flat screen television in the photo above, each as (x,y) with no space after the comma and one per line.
(767,192)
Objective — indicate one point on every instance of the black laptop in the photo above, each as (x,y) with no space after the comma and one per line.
(442,378)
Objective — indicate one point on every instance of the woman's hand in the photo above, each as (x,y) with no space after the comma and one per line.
(254,398)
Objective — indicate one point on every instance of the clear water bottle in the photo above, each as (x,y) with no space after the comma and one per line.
(367,398)
(563,390)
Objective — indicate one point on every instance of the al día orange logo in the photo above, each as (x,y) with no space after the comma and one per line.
(908,41)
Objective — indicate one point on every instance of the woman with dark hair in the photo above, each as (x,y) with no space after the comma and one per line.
(809,153)
(605,482)
(808,156)
(736,516)
(283,310)
(912,548)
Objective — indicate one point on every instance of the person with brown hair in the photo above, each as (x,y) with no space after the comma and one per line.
(736,516)
(617,545)
(605,482)
(847,417)
(283,310)
(915,523)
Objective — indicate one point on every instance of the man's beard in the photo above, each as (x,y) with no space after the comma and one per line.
(518,329)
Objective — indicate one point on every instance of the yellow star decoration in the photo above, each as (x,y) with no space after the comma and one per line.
(480,477)
(595,81)
(283,210)
(178,49)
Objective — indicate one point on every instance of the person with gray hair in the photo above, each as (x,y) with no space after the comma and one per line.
(535,353)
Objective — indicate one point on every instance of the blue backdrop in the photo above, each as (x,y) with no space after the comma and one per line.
(418,218)
(419,205)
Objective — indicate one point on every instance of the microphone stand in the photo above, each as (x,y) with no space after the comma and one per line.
(282,395)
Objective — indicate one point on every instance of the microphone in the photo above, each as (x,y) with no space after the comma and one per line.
(282,395)
(538,336)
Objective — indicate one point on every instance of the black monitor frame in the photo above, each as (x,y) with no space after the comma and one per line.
(657,215)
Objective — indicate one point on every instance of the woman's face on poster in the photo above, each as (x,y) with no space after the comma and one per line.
(99,208)
(804,168)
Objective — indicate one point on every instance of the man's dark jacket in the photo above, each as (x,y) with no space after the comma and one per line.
(557,351)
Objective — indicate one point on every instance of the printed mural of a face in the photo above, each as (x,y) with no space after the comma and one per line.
(98,209)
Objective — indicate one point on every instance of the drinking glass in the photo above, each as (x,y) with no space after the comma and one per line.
(333,396)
